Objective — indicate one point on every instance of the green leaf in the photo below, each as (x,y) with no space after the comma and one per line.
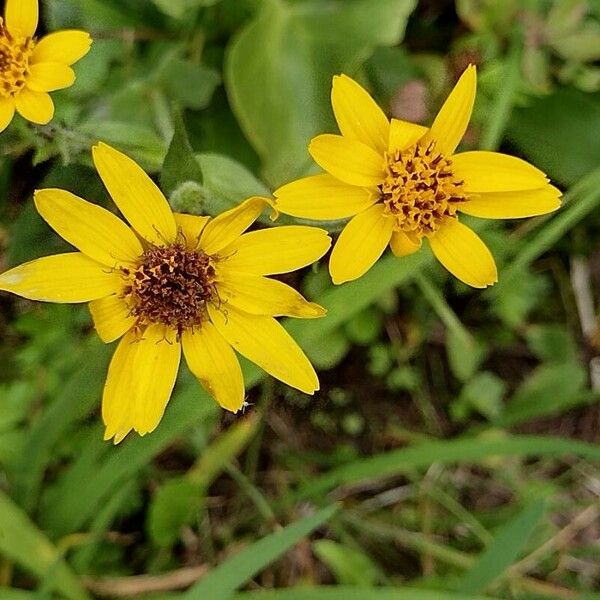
(465,353)
(278,70)
(504,549)
(180,164)
(174,505)
(139,140)
(178,9)
(468,449)
(221,582)
(550,390)
(191,85)
(23,543)
(483,394)
(552,343)
(558,133)
(349,565)
(330,351)
(228,182)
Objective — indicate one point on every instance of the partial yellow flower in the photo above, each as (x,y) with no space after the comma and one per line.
(402,182)
(29,68)
(173,282)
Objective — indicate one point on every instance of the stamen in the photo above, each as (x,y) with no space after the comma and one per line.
(171,285)
(420,190)
(14,61)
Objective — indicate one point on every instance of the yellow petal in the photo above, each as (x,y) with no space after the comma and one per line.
(7,112)
(117,394)
(276,250)
(65,47)
(451,122)
(190,227)
(262,296)
(512,205)
(140,381)
(49,76)
(404,134)
(265,342)
(360,244)
(495,172)
(228,226)
(211,359)
(463,253)
(112,317)
(36,107)
(358,115)
(136,195)
(71,277)
(323,197)
(90,228)
(348,160)
(21,17)
(402,245)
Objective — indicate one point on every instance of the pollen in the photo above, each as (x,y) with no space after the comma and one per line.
(171,285)
(14,61)
(420,190)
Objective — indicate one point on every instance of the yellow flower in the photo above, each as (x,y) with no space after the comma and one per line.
(29,68)
(169,283)
(402,182)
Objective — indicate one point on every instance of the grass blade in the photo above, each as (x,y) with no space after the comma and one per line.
(22,542)
(220,583)
(473,450)
(506,547)
(356,593)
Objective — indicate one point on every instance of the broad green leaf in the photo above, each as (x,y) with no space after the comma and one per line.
(279,68)
(22,542)
(222,581)
(465,353)
(349,565)
(549,390)
(228,182)
(468,449)
(483,394)
(180,164)
(179,9)
(552,343)
(136,139)
(191,85)
(505,548)
(558,133)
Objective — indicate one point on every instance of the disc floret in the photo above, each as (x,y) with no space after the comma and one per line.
(420,189)
(15,53)
(171,286)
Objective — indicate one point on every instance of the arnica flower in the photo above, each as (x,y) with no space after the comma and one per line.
(29,68)
(402,182)
(169,283)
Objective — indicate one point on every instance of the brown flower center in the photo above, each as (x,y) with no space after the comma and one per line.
(171,285)
(420,190)
(14,61)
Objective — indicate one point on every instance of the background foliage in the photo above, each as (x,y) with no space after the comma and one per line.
(451,454)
